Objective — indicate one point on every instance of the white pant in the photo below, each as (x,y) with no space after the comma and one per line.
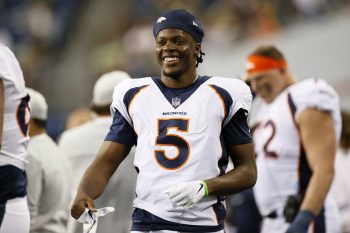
(16,218)
(166,231)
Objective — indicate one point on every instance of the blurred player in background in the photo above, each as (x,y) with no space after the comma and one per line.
(296,133)
(81,145)
(341,184)
(185,126)
(78,116)
(49,174)
(14,119)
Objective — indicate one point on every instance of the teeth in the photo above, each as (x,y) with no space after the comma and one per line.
(171,59)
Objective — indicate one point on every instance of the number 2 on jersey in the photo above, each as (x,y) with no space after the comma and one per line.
(165,138)
(270,124)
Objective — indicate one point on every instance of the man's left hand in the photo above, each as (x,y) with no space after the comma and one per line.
(187,194)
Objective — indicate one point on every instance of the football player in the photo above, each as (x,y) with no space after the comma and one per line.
(185,127)
(14,118)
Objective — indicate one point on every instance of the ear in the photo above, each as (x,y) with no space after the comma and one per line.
(198,49)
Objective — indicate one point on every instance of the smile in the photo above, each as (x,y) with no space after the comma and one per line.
(170,59)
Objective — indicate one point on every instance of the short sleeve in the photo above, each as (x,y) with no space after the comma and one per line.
(121,131)
(9,66)
(322,97)
(118,100)
(237,131)
(242,99)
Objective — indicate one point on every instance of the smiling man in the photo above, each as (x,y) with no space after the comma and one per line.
(185,126)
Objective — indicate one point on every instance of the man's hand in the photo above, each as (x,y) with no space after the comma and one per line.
(188,194)
(80,203)
(301,222)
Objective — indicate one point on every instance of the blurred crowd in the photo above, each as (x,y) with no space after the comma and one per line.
(37,30)
(40,32)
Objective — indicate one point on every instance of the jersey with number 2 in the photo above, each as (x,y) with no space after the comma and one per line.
(281,160)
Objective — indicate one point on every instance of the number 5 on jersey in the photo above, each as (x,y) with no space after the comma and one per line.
(167,139)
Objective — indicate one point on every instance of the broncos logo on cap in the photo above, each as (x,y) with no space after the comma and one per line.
(160,19)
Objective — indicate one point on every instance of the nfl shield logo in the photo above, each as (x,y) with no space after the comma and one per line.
(176,102)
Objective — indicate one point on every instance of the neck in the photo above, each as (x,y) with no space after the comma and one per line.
(35,129)
(182,81)
(289,79)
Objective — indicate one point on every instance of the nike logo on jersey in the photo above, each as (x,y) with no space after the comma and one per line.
(200,188)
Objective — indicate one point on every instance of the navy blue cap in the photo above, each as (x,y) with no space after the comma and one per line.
(182,20)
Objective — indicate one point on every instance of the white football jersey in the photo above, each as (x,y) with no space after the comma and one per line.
(282,166)
(179,139)
(16,112)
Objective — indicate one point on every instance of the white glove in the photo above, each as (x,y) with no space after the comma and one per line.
(187,194)
(90,219)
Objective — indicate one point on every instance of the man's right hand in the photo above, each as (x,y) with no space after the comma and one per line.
(79,204)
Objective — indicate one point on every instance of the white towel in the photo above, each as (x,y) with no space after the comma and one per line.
(90,218)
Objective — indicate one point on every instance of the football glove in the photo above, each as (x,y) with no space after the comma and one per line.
(301,222)
(90,218)
(187,194)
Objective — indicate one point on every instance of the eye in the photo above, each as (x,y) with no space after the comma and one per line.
(179,41)
(161,42)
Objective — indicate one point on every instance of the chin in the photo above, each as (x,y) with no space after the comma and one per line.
(172,74)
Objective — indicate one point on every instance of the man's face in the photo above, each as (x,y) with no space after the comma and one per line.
(267,84)
(176,52)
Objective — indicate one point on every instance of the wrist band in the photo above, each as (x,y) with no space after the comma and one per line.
(206,191)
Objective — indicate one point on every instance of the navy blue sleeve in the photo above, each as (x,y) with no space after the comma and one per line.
(237,131)
(121,131)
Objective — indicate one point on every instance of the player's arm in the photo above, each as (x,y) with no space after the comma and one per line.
(2,106)
(318,137)
(243,175)
(97,175)
(319,140)
(240,148)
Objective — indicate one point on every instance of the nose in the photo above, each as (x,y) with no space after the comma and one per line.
(168,46)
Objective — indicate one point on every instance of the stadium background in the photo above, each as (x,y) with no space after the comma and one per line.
(65,45)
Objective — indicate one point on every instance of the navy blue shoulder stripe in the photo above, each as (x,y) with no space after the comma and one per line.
(225,97)
(292,108)
(130,94)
